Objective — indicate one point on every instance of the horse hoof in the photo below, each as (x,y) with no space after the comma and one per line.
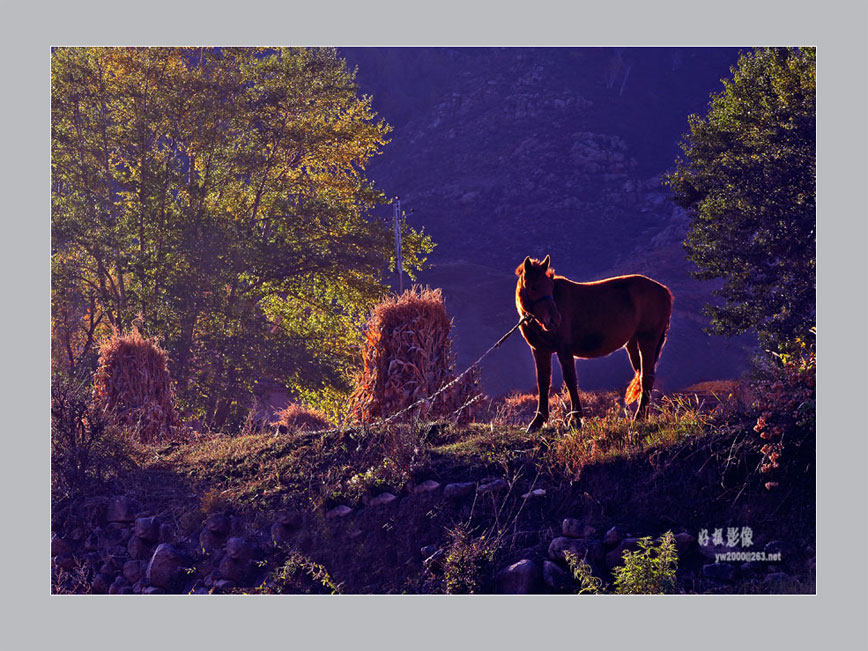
(535,424)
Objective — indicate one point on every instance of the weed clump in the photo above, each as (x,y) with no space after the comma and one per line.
(298,418)
(408,357)
(468,562)
(132,382)
(87,449)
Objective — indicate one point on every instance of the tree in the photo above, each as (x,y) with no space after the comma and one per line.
(217,197)
(748,178)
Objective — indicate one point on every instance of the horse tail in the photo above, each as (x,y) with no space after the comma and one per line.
(634,390)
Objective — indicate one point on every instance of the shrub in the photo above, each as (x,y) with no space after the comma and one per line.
(650,569)
(407,357)
(468,562)
(132,382)
(582,574)
(299,575)
(86,447)
(298,418)
(786,406)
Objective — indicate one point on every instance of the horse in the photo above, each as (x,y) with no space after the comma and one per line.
(586,320)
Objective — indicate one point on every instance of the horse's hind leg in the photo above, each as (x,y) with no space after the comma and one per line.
(649,352)
(568,366)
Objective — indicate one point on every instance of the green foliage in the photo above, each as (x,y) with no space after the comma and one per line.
(650,570)
(218,196)
(299,575)
(468,562)
(582,574)
(749,179)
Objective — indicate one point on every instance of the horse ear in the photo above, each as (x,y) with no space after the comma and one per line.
(545,263)
(527,264)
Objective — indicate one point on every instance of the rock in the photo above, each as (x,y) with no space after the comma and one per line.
(434,563)
(427,486)
(225,585)
(457,490)
(613,536)
(554,577)
(147,529)
(238,548)
(723,572)
(752,568)
(684,542)
(210,541)
(495,486)
(573,528)
(775,579)
(64,561)
(153,589)
(94,540)
(519,578)
(121,509)
(101,583)
(138,549)
(591,550)
(778,550)
(290,519)
(167,534)
(428,550)
(166,567)
(811,564)
(219,524)
(133,570)
(616,557)
(59,546)
(126,590)
(281,533)
(118,533)
(338,512)
(234,569)
(536,492)
(382,499)
(118,584)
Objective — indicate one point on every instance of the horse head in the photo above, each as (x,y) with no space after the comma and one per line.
(535,292)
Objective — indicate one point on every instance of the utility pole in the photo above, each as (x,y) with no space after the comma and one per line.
(399,262)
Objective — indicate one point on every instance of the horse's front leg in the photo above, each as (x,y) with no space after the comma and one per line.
(568,366)
(543,382)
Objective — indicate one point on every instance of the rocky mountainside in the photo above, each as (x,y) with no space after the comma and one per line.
(508,152)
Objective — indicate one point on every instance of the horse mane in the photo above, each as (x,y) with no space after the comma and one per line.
(519,270)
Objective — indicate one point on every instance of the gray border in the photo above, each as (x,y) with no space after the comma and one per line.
(838,28)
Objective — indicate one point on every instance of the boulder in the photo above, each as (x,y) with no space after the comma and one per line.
(210,541)
(454,491)
(427,486)
(616,557)
(519,578)
(133,571)
(234,569)
(554,577)
(723,572)
(138,549)
(590,550)
(147,529)
(59,546)
(684,542)
(614,536)
(493,486)
(573,528)
(382,499)
(166,567)
(239,549)
(219,524)
(121,509)
(101,583)
(290,519)
(338,512)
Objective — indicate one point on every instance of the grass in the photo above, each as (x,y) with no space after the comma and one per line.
(692,462)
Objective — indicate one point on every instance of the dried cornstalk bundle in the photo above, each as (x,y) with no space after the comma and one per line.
(133,383)
(407,357)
